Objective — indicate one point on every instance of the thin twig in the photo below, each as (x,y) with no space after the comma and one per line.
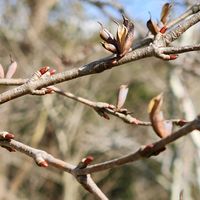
(192,10)
(178,50)
(105,107)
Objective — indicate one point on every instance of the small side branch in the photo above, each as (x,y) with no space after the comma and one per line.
(178,50)
(192,10)
(179,30)
(38,155)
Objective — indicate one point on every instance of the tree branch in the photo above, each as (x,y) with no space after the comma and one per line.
(99,107)
(44,159)
(181,28)
(143,152)
(178,50)
(158,48)
(102,64)
(192,10)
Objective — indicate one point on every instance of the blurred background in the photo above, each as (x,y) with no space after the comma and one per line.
(63,34)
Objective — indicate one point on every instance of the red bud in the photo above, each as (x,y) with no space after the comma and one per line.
(43,70)
(9,136)
(43,164)
(87,160)
(52,72)
(181,122)
(163,29)
(173,57)
(49,90)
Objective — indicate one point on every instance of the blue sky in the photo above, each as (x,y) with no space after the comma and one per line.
(139,9)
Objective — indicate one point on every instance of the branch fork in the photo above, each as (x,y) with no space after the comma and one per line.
(42,73)
(41,83)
